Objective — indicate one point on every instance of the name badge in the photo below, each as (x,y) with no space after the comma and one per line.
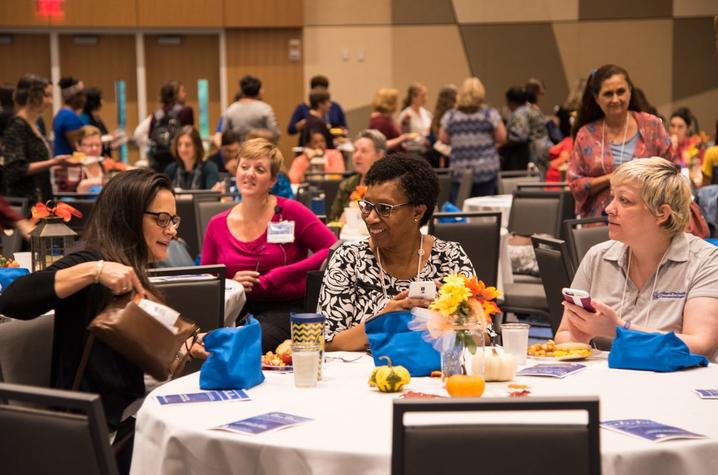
(423,289)
(280,232)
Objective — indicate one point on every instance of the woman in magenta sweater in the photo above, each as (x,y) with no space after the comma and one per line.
(264,242)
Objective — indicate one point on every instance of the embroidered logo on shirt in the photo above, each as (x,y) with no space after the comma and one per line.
(669,295)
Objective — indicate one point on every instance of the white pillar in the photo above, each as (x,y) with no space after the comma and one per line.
(55,74)
(223,100)
(141,77)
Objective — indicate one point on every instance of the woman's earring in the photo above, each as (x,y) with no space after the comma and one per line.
(416,220)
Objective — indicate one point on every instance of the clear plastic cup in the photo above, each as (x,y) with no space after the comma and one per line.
(305,363)
(515,338)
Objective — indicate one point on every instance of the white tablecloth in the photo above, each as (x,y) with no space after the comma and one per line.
(351,431)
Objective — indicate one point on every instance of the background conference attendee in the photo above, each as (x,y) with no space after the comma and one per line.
(250,111)
(227,157)
(165,123)
(384,105)
(67,121)
(319,104)
(121,242)
(610,130)
(245,239)
(189,171)
(91,115)
(369,146)
(445,101)
(335,118)
(474,131)
(370,277)
(415,119)
(27,152)
(651,276)
(331,160)
(681,127)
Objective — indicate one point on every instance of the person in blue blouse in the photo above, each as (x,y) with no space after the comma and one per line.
(67,124)
(335,117)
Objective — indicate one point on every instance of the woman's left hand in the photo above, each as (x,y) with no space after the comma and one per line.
(401,301)
(197,350)
(603,322)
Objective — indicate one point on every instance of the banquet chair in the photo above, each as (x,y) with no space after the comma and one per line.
(464,192)
(206,210)
(556,270)
(428,447)
(326,182)
(507,181)
(714,177)
(314,281)
(444,175)
(480,237)
(581,238)
(26,350)
(186,210)
(12,238)
(84,206)
(53,431)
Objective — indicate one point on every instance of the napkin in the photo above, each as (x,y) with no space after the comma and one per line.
(389,335)
(9,274)
(235,357)
(663,352)
(449,207)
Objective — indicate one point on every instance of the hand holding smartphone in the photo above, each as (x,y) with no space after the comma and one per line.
(578,297)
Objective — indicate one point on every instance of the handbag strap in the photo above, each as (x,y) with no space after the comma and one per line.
(83,362)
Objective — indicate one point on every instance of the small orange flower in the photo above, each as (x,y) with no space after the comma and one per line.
(61,210)
(358,193)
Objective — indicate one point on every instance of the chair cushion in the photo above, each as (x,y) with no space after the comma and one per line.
(525,295)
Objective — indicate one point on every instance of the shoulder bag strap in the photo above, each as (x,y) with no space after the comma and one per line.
(83,362)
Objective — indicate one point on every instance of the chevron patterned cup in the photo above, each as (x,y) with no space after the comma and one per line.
(309,327)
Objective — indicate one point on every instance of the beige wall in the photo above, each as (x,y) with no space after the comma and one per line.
(502,11)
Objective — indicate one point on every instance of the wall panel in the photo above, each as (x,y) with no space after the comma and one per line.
(196,58)
(347,12)
(180,13)
(20,13)
(91,14)
(264,13)
(513,11)
(264,53)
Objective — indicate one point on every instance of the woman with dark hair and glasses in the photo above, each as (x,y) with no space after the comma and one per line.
(265,241)
(130,227)
(370,277)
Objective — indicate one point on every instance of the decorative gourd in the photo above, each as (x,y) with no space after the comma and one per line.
(500,366)
(389,379)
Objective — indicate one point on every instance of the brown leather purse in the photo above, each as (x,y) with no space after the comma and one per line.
(136,335)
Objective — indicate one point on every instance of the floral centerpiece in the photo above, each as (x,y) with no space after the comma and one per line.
(352,214)
(691,156)
(457,320)
(357,194)
(51,239)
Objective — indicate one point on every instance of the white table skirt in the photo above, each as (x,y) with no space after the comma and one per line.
(351,433)
(500,203)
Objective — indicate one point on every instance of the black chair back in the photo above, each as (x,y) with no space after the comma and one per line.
(326,182)
(26,350)
(556,270)
(465,185)
(714,177)
(12,238)
(84,206)
(480,237)
(539,211)
(508,181)
(61,431)
(206,210)
(426,448)
(444,175)
(186,210)
(581,238)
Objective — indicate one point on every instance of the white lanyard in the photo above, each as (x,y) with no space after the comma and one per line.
(653,289)
(603,140)
(420,252)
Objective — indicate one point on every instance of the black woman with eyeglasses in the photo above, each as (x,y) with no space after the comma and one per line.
(130,227)
(370,277)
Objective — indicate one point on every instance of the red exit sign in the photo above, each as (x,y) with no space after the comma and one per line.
(50,8)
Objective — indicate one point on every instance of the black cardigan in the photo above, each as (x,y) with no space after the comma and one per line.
(116,380)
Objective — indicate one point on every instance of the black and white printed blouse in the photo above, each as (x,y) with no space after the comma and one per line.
(352,286)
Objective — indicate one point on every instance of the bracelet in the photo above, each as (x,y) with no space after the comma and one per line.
(626,325)
(98,270)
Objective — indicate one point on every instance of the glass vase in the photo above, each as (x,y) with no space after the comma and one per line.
(457,358)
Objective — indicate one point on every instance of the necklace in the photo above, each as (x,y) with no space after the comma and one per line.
(603,140)
(653,288)
(420,252)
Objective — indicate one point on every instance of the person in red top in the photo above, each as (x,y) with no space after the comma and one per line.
(385,104)
(610,130)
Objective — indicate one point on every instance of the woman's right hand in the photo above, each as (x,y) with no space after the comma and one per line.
(248,278)
(120,279)
(60,160)
(401,301)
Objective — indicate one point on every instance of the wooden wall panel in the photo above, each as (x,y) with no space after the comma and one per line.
(26,54)
(20,13)
(100,65)
(196,58)
(91,14)
(264,53)
(179,13)
(264,13)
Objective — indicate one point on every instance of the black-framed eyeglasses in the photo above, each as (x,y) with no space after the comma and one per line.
(165,219)
(382,209)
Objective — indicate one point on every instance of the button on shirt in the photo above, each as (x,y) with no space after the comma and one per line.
(689,270)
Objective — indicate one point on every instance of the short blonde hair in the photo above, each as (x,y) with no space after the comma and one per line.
(87,131)
(660,183)
(471,95)
(386,100)
(255,149)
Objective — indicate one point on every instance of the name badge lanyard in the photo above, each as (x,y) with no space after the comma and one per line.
(420,252)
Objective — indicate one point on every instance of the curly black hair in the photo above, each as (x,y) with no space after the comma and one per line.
(417,179)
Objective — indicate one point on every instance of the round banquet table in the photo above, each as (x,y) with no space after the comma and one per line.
(351,430)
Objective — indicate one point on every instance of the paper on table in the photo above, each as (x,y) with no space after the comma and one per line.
(206,396)
(268,422)
(162,313)
(552,370)
(181,278)
(647,429)
(707,393)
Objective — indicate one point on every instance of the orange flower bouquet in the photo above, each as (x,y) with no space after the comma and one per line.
(357,194)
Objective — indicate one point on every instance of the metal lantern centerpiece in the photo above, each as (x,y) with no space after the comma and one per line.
(52,238)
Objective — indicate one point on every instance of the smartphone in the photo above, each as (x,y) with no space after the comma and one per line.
(424,289)
(578,297)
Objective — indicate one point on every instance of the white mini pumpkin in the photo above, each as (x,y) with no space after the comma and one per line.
(500,366)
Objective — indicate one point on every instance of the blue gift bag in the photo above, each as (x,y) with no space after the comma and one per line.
(662,352)
(389,335)
(235,360)
(9,274)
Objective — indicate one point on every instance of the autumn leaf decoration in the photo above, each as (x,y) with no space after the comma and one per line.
(52,208)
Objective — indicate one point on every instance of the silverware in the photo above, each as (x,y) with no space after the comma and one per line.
(345,360)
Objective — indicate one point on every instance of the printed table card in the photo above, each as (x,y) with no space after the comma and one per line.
(649,430)
(207,396)
(268,422)
(707,393)
(552,370)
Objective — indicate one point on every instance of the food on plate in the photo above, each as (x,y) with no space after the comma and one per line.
(8,262)
(518,386)
(77,157)
(389,378)
(562,350)
(463,385)
(496,365)
(435,374)
(281,357)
